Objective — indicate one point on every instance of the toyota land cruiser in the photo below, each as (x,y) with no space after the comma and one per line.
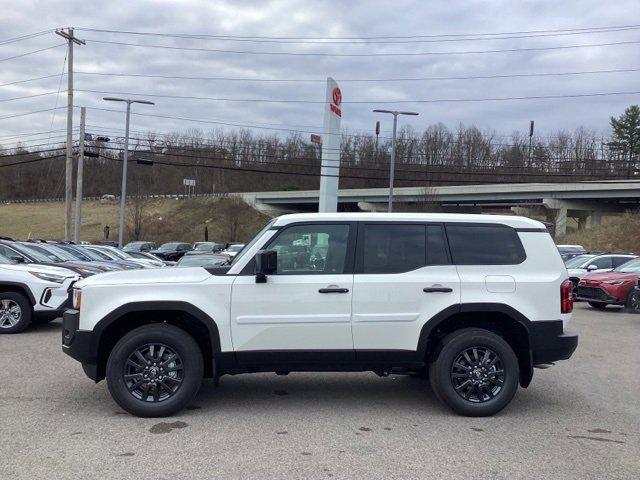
(472,301)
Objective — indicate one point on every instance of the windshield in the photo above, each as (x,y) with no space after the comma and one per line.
(169,247)
(4,260)
(92,254)
(59,252)
(101,255)
(205,247)
(577,262)
(235,248)
(118,253)
(202,260)
(248,246)
(75,253)
(630,267)
(40,255)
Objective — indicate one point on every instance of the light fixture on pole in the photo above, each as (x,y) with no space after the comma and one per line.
(395,114)
(123,193)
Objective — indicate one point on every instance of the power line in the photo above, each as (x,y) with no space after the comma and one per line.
(352,55)
(23,97)
(24,162)
(29,113)
(363,102)
(365,37)
(25,37)
(343,80)
(32,52)
(29,80)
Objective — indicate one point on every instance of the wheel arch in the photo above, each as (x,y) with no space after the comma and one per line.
(183,315)
(18,287)
(496,317)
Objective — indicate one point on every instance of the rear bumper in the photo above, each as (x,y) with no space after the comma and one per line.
(79,344)
(550,343)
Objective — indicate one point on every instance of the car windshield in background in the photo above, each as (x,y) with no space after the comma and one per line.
(630,267)
(203,260)
(235,248)
(169,247)
(97,253)
(248,246)
(40,255)
(59,252)
(4,260)
(577,262)
(75,253)
(207,247)
(118,253)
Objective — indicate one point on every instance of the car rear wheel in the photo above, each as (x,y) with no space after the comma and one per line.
(476,372)
(155,370)
(598,305)
(15,312)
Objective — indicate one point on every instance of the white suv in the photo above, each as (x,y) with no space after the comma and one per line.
(30,292)
(473,301)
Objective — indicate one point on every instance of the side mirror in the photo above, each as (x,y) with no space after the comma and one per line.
(591,268)
(266,264)
(17,259)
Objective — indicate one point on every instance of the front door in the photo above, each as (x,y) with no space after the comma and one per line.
(303,311)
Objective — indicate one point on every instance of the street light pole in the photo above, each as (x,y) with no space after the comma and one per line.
(123,189)
(395,114)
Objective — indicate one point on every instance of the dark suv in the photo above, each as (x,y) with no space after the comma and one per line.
(172,251)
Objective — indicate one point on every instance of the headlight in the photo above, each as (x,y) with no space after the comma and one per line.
(49,277)
(77,298)
(615,282)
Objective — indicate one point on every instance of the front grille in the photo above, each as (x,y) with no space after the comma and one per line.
(595,293)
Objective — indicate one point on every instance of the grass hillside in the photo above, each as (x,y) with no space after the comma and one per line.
(616,234)
(159,220)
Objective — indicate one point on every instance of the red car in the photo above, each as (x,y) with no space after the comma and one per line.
(617,287)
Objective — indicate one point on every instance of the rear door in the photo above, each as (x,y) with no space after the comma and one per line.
(403,278)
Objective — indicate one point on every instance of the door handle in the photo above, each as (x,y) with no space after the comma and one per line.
(437,290)
(334,290)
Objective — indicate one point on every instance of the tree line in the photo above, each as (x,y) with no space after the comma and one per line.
(236,161)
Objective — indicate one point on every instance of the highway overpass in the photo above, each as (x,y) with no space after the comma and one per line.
(585,201)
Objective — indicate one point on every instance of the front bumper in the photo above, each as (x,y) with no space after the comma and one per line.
(595,294)
(550,343)
(79,344)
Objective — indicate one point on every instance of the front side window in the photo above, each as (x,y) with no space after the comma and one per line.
(312,249)
(393,248)
(602,262)
(484,245)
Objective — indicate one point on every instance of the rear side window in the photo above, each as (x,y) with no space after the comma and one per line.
(393,248)
(484,245)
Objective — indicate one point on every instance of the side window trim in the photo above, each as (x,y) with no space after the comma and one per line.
(349,260)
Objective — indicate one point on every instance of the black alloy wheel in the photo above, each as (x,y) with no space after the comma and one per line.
(153,372)
(477,374)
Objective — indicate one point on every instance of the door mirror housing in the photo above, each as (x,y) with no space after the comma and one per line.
(592,267)
(266,264)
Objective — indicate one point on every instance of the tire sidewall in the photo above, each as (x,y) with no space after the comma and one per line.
(627,304)
(26,312)
(175,338)
(452,346)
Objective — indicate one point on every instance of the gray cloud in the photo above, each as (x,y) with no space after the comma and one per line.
(321,18)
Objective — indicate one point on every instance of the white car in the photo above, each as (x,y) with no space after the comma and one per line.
(117,254)
(32,293)
(579,266)
(234,249)
(474,301)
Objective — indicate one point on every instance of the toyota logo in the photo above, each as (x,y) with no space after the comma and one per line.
(337,96)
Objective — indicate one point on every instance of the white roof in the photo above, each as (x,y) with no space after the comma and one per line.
(510,220)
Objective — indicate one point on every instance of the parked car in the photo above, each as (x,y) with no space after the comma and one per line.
(615,287)
(97,255)
(443,293)
(207,247)
(146,256)
(139,247)
(204,260)
(31,293)
(172,251)
(117,254)
(83,255)
(25,253)
(569,251)
(233,249)
(579,266)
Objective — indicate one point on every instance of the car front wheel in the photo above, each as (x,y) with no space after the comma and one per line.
(632,305)
(15,312)
(155,370)
(476,372)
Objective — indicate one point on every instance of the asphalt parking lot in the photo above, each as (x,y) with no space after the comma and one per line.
(580,419)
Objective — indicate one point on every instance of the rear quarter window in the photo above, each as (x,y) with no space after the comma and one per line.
(484,245)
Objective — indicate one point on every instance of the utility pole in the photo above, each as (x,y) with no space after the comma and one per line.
(393,151)
(531,124)
(76,225)
(68,192)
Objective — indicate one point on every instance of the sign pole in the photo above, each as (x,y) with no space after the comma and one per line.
(330,167)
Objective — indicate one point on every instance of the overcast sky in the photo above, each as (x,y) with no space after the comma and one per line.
(306,18)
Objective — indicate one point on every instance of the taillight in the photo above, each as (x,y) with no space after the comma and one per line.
(566,296)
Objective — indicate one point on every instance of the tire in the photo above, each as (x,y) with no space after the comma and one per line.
(632,304)
(175,383)
(598,305)
(471,400)
(16,312)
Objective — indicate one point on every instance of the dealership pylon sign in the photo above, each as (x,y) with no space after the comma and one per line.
(330,169)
